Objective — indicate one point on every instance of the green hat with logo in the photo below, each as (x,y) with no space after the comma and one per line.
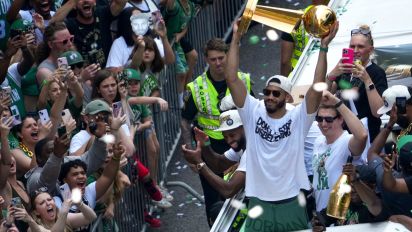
(21,25)
(132,74)
(73,57)
(96,106)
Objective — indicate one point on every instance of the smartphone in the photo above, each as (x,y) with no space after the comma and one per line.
(349,54)
(66,116)
(61,131)
(44,116)
(117,106)
(63,64)
(401,105)
(5,91)
(13,33)
(16,202)
(15,114)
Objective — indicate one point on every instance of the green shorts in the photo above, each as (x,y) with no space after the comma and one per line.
(181,63)
(277,217)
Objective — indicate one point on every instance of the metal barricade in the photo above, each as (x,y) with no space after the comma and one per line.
(211,21)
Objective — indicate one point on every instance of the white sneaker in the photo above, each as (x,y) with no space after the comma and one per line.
(165,193)
(162,203)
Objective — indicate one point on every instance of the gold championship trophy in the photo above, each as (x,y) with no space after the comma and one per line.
(317,19)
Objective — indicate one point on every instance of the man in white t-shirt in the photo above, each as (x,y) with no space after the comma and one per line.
(232,130)
(275,139)
(331,150)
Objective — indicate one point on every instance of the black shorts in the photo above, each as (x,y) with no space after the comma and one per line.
(186,45)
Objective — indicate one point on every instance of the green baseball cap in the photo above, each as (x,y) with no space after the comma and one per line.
(132,74)
(73,57)
(96,106)
(21,25)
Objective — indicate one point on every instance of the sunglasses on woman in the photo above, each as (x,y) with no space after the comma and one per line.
(328,119)
(77,65)
(364,32)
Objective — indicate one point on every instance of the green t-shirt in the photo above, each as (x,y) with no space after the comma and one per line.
(29,83)
(148,85)
(4,25)
(13,79)
(178,18)
(139,112)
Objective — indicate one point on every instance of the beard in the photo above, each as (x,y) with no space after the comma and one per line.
(278,106)
(241,144)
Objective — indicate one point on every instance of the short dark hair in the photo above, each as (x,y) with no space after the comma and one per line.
(65,169)
(215,44)
(323,106)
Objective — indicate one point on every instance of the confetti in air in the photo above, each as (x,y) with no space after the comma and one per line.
(350,94)
(237,204)
(76,195)
(302,199)
(272,35)
(254,39)
(319,87)
(255,212)
(108,138)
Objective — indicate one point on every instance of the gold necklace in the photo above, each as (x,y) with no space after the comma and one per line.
(405,131)
(25,149)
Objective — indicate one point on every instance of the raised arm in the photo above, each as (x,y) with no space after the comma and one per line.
(76,88)
(110,171)
(389,181)
(380,140)
(313,97)
(236,86)
(64,11)
(5,159)
(137,57)
(84,218)
(226,189)
(161,30)
(286,48)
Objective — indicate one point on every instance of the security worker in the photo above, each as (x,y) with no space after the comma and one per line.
(202,101)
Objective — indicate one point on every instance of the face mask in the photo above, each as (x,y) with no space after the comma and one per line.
(140,24)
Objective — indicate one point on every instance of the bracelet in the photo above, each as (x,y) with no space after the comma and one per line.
(207,143)
(338,104)
(387,126)
(322,49)
(331,78)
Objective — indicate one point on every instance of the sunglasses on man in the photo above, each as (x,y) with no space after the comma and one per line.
(328,119)
(275,93)
(65,41)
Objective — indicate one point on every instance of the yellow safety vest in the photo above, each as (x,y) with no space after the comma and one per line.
(300,38)
(206,100)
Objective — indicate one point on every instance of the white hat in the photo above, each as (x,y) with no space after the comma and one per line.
(281,82)
(389,97)
(227,103)
(229,120)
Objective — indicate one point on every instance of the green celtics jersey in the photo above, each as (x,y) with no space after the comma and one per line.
(4,25)
(13,79)
(149,84)
(178,18)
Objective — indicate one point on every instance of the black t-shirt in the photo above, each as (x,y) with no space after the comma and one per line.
(408,181)
(94,40)
(378,77)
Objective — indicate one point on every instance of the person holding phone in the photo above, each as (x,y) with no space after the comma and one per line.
(372,79)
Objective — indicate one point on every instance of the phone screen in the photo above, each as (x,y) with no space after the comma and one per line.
(401,105)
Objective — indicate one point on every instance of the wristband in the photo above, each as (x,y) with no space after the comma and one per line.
(322,49)
(207,143)
(338,104)
(116,158)
(331,78)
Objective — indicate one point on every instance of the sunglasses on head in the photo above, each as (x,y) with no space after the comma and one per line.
(65,41)
(275,93)
(365,32)
(40,190)
(77,65)
(328,119)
